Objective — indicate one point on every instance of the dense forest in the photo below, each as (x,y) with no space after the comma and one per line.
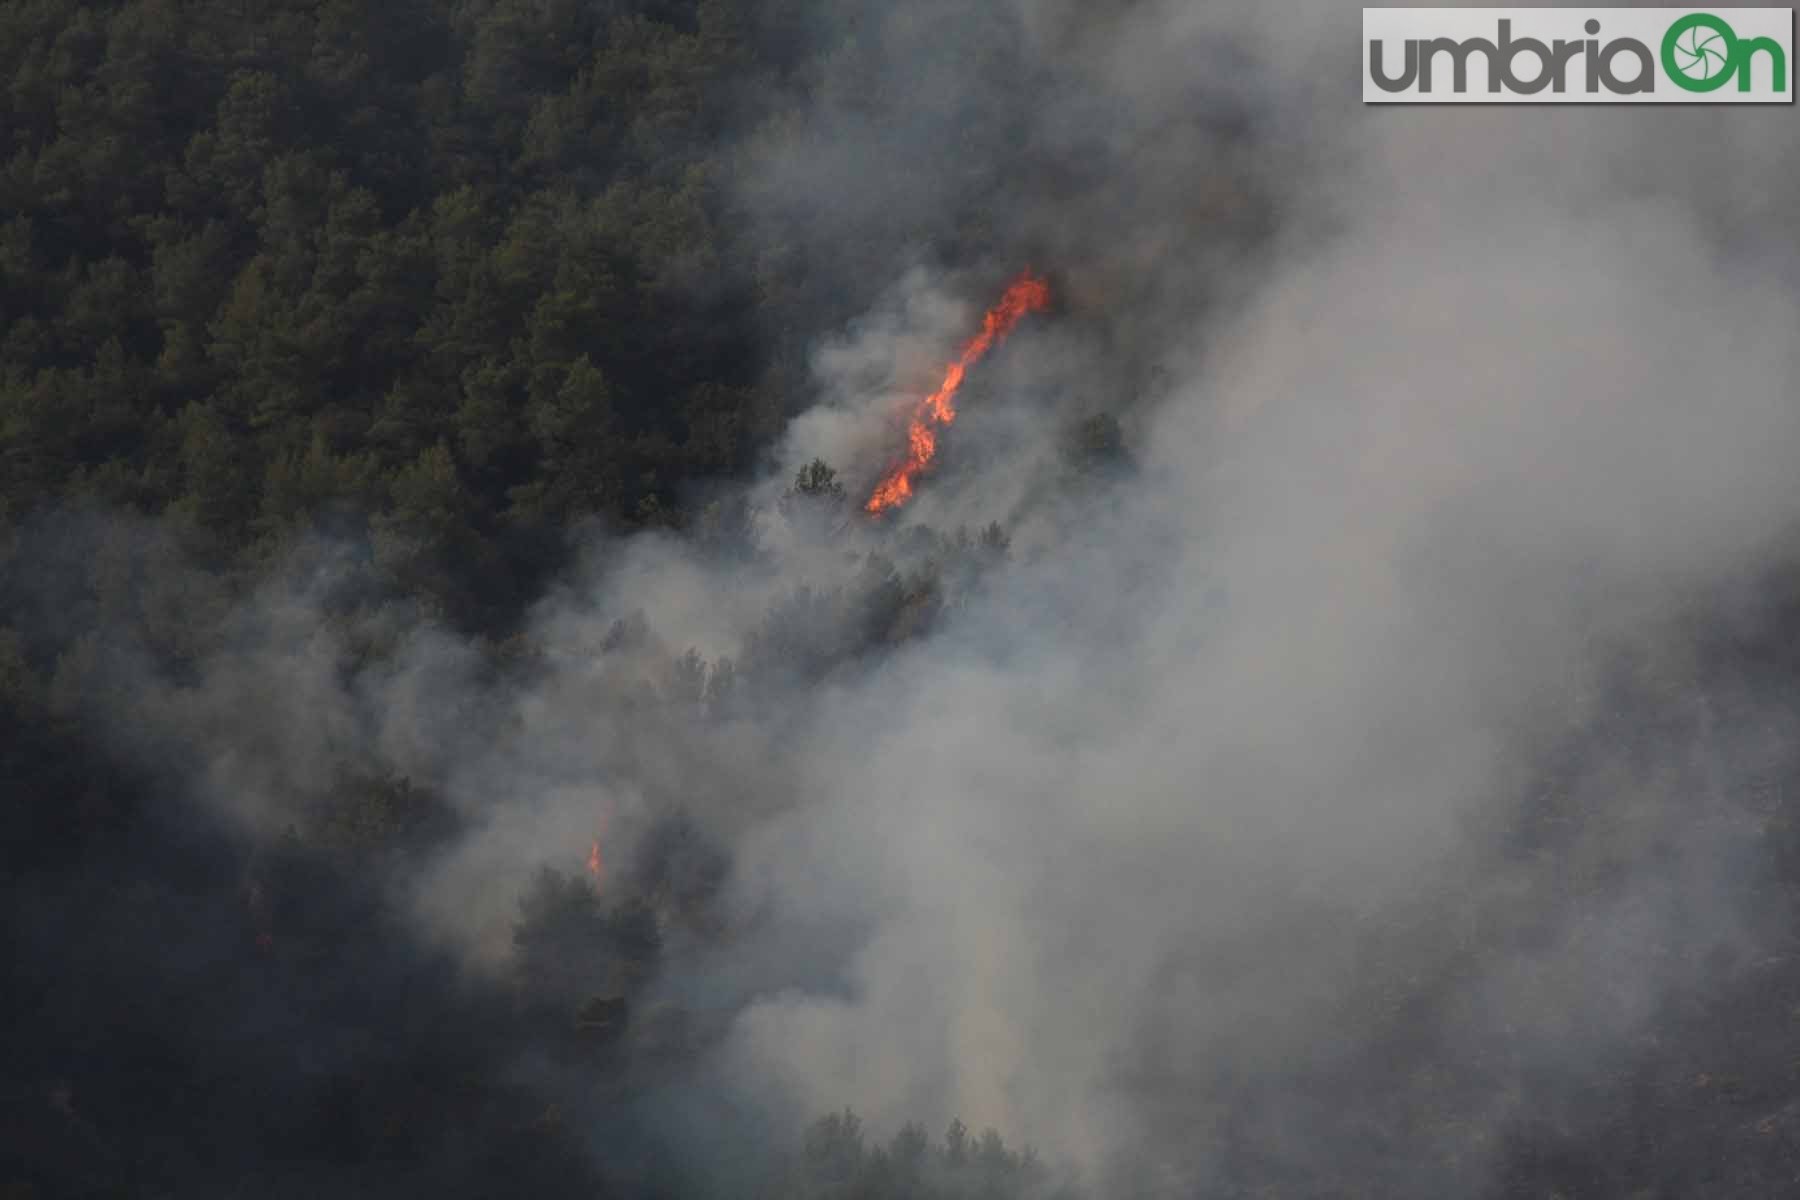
(407,267)
(397,399)
(440,281)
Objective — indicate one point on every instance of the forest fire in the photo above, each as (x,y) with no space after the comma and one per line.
(593,860)
(1028,293)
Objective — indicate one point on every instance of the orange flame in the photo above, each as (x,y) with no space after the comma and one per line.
(593,860)
(1027,294)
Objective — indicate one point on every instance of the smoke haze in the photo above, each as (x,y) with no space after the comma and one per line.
(1327,772)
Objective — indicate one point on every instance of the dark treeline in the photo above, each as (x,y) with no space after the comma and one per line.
(419,287)
(449,274)
(442,279)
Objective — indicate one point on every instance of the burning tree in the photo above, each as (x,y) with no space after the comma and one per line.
(1028,294)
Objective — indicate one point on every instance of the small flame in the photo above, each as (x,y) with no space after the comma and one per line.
(593,860)
(1027,294)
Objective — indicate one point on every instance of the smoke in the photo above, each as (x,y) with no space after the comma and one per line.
(1169,835)
(1131,822)
(1327,784)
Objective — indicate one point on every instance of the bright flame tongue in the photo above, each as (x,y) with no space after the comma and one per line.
(1027,294)
(593,860)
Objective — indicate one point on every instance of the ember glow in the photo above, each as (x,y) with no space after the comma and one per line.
(1027,294)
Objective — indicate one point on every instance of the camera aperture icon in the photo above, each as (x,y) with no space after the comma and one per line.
(1702,51)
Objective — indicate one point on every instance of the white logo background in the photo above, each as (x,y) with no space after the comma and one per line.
(1699,52)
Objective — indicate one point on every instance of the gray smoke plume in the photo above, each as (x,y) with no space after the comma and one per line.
(1326,782)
